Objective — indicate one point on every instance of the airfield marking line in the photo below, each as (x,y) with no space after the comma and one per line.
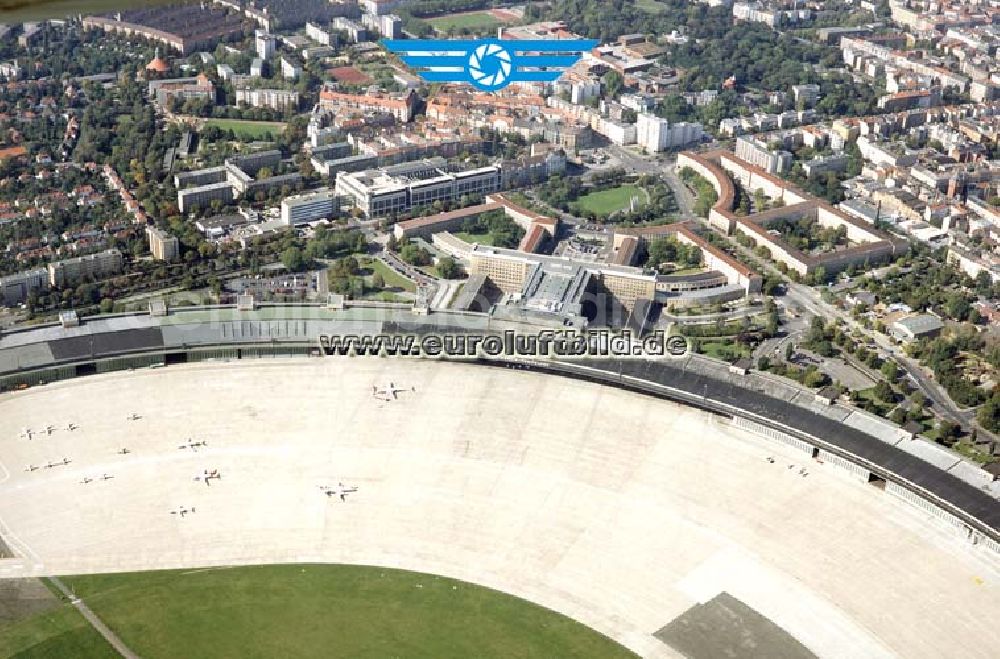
(94,621)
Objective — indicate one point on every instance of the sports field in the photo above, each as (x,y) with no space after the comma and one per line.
(306,611)
(475,21)
(251,129)
(608,201)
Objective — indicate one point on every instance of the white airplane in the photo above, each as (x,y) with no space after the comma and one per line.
(71,426)
(30,468)
(26,433)
(87,480)
(387,392)
(124,451)
(182,511)
(106,477)
(340,491)
(133,417)
(49,429)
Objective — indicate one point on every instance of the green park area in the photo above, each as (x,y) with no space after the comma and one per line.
(485,238)
(474,21)
(726,349)
(390,277)
(605,202)
(255,130)
(651,6)
(301,611)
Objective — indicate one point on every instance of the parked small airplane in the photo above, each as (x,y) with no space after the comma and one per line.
(340,491)
(387,392)
(133,417)
(208,476)
(192,445)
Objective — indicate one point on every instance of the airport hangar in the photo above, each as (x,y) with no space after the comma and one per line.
(949,510)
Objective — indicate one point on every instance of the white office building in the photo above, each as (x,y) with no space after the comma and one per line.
(308,207)
(380,192)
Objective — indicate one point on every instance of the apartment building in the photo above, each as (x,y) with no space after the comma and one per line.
(276,99)
(70,271)
(755,152)
(656,134)
(17,288)
(163,246)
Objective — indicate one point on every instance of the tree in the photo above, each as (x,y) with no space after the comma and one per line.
(448,268)
(414,254)
(948,430)
(884,392)
(890,370)
(613,83)
(293,259)
(898,416)
(988,415)
(378,281)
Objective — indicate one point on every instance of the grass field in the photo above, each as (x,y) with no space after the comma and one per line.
(325,611)
(608,201)
(725,349)
(56,632)
(476,21)
(481,238)
(651,6)
(250,129)
(392,278)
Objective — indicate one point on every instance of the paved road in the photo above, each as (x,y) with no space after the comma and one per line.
(94,621)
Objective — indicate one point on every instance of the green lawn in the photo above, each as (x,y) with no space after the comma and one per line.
(327,611)
(608,201)
(476,21)
(250,129)
(651,6)
(724,349)
(481,238)
(392,278)
(53,634)
(386,296)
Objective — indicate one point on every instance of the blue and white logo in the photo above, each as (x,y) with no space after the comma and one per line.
(490,64)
